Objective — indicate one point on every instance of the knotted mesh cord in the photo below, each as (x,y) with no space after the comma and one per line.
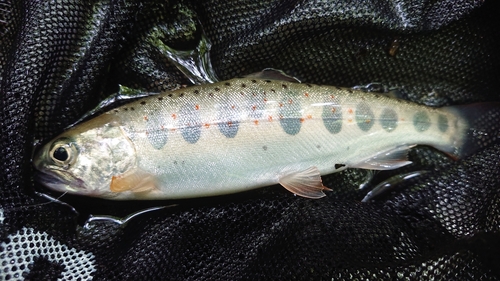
(59,58)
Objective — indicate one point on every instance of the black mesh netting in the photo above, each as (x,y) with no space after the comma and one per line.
(60,58)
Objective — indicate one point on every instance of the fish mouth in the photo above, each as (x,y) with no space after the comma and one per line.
(61,181)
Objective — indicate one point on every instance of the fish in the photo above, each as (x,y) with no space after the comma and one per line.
(246,133)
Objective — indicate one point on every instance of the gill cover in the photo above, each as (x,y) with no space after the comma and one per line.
(84,159)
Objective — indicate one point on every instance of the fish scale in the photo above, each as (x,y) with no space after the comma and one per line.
(247,133)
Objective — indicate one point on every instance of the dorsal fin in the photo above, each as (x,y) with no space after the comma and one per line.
(273,74)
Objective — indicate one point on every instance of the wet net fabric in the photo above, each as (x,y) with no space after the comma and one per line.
(60,58)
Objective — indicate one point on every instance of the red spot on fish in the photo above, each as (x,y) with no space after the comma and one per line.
(232,106)
(229,123)
(174,116)
(172,129)
(281,116)
(334,109)
(349,120)
(270,118)
(332,97)
(302,120)
(350,111)
(145,118)
(309,116)
(207,125)
(265,100)
(368,121)
(306,94)
(197,107)
(254,107)
(290,101)
(280,104)
(256,122)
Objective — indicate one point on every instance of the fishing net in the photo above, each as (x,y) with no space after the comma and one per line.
(60,58)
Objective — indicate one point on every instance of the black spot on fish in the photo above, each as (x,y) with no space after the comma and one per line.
(181,95)
(443,123)
(332,117)
(217,89)
(389,119)
(190,122)
(170,95)
(227,84)
(126,109)
(229,120)
(309,85)
(264,147)
(421,121)
(338,166)
(157,136)
(132,109)
(290,116)
(349,91)
(160,98)
(243,85)
(284,86)
(364,116)
(196,92)
(254,81)
(143,102)
(267,81)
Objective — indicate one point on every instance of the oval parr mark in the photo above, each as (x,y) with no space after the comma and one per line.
(290,116)
(332,117)
(389,119)
(228,119)
(189,123)
(421,121)
(364,116)
(155,131)
(442,123)
(256,105)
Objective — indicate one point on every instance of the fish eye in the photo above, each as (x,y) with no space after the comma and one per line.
(63,153)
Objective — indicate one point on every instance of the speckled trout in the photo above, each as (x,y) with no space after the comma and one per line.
(242,134)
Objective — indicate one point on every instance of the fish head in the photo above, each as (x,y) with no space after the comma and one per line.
(84,159)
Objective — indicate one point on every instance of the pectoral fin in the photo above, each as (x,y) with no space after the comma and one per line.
(305,183)
(134,180)
(386,160)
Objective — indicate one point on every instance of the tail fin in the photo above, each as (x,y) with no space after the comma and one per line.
(482,126)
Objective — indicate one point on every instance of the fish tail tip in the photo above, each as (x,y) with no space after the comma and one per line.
(482,129)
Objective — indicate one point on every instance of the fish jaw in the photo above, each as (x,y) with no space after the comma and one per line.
(60,181)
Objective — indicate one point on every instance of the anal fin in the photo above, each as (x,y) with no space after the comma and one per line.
(305,183)
(134,180)
(386,160)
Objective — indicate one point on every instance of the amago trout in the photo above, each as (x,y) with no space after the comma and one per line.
(242,134)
